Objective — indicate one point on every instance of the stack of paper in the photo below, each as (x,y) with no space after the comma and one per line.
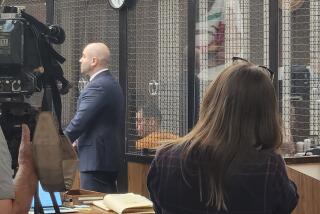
(125,203)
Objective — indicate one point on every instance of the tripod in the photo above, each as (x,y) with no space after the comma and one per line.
(38,209)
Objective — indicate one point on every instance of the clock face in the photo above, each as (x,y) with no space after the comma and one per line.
(117,3)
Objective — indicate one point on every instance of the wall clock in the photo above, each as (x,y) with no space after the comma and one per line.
(117,4)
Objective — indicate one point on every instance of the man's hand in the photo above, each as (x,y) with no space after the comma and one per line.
(26,178)
(25,151)
(74,145)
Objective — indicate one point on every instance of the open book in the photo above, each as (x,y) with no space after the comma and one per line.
(125,203)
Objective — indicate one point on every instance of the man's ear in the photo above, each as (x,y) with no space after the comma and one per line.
(94,61)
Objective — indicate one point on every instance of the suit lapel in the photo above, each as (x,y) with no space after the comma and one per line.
(89,83)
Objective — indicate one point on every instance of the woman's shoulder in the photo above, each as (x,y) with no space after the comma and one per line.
(169,152)
(271,159)
(259,159)
(273,156)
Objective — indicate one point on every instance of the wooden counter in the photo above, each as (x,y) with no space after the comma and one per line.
(138,168)
(95,210)
(307,178)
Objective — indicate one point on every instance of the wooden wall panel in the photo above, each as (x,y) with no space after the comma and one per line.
(308,188)
(137,178)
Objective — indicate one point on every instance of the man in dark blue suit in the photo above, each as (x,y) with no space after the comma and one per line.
(95,127)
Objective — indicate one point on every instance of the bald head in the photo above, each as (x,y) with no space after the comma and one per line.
(95,56)
(100,51)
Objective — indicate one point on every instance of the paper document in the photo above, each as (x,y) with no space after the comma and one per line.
(126,203)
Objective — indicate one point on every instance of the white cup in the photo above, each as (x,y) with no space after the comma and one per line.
(300,146)
(307,144)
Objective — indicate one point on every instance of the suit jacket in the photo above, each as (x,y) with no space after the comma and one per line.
(96,124)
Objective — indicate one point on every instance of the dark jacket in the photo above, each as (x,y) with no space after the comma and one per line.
(259,185)
(96,124)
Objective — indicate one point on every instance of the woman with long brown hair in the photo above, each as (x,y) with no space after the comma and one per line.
(228,163)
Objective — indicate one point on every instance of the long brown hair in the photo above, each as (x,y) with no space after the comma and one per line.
(239,112)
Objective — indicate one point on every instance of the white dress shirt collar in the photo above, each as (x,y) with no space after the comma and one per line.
(98,72)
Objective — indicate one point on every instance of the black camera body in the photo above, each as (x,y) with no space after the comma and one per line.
(29,71)
(19,58)
(27,59)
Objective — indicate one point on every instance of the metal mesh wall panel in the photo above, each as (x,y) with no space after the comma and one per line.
(85,21)
(157,72)
(300,69)
(246,34)
(230,28)
(210,43)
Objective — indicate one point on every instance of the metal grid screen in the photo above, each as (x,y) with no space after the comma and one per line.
(299,71)
(84,22)
(230,28)
(241,28)
(210,44)
(157,72)
(158,58)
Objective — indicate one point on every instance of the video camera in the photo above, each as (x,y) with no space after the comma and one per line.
(29,66)
(20,54)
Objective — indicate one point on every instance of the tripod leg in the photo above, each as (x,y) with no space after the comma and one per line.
(54,202)
(38,209)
